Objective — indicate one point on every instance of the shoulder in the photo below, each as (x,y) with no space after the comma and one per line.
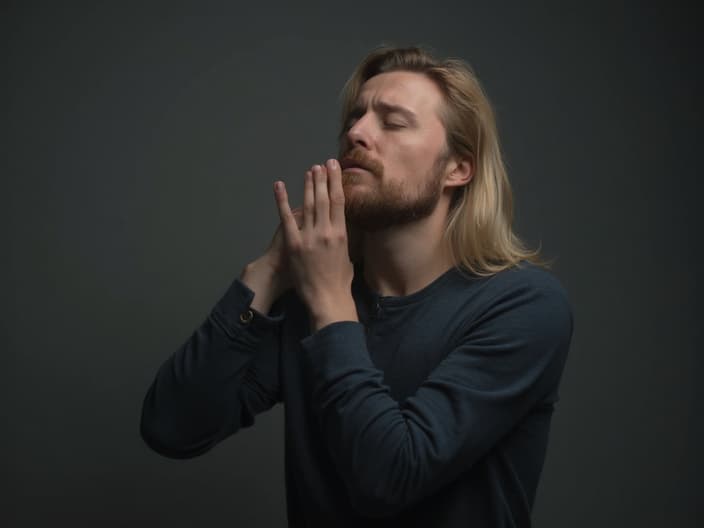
(528,277)
(526,296)
(520,279)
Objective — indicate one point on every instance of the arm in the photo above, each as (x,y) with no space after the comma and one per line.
(391,454)
(227,371)
(219,379)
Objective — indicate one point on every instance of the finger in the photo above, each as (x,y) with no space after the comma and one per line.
(288,221)
(298,215)
(322,201)
(337,195)
(308,201)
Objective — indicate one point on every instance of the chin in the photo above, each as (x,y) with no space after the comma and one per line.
(351,184)
(356,191)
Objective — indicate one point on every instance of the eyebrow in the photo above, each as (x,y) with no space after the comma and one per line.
(386,108)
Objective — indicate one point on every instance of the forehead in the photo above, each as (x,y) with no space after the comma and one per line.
(412,90)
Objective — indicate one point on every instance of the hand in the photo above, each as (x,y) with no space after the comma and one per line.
(319,262)
(269,275)
(276,257)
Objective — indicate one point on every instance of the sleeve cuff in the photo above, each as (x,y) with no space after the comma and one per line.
(235,312)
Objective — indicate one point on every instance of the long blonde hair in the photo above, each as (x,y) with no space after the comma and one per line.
(478,230)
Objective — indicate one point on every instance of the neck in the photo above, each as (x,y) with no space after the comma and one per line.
(404,259)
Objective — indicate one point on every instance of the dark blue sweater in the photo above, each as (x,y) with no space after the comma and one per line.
(433,410)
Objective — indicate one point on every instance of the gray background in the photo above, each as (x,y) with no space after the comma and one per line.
(139,149)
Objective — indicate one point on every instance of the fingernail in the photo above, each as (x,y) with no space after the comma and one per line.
(332,163)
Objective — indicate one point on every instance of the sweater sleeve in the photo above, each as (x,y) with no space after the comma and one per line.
(391,454)
(224,374)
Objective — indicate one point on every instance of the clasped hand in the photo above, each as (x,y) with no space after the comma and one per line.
(318,254)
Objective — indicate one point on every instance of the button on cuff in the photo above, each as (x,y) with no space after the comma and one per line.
(246,317)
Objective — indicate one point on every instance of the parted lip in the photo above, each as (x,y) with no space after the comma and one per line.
(349,163)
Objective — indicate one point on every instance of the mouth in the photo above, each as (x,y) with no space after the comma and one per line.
(355,169)
(350,164)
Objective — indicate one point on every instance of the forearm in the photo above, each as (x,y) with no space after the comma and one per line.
(200,394)
(189,402)
(393,453)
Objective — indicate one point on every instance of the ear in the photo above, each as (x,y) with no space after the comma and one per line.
(460,174)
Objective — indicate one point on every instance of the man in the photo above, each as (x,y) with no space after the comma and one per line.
(417,346)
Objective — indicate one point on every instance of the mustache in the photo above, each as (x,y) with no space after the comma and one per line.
(359,158)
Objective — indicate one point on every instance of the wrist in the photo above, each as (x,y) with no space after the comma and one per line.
(324,314)
(260,277)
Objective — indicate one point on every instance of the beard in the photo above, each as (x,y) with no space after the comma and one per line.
(386,204)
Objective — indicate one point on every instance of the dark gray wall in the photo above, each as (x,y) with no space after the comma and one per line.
(139,149)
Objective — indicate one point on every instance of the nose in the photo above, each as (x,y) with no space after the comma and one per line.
(359,133)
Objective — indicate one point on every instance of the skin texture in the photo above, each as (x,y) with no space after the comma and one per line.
(400,201)
(403,149)
(319,262)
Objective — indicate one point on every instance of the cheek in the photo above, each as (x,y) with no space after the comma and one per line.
(416,157)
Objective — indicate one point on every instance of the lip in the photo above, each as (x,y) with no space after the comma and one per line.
(349,164)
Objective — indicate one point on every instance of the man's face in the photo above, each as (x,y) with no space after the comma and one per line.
(394,152)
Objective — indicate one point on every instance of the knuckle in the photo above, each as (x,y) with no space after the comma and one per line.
(341,237)
(327,237)
(337,198)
